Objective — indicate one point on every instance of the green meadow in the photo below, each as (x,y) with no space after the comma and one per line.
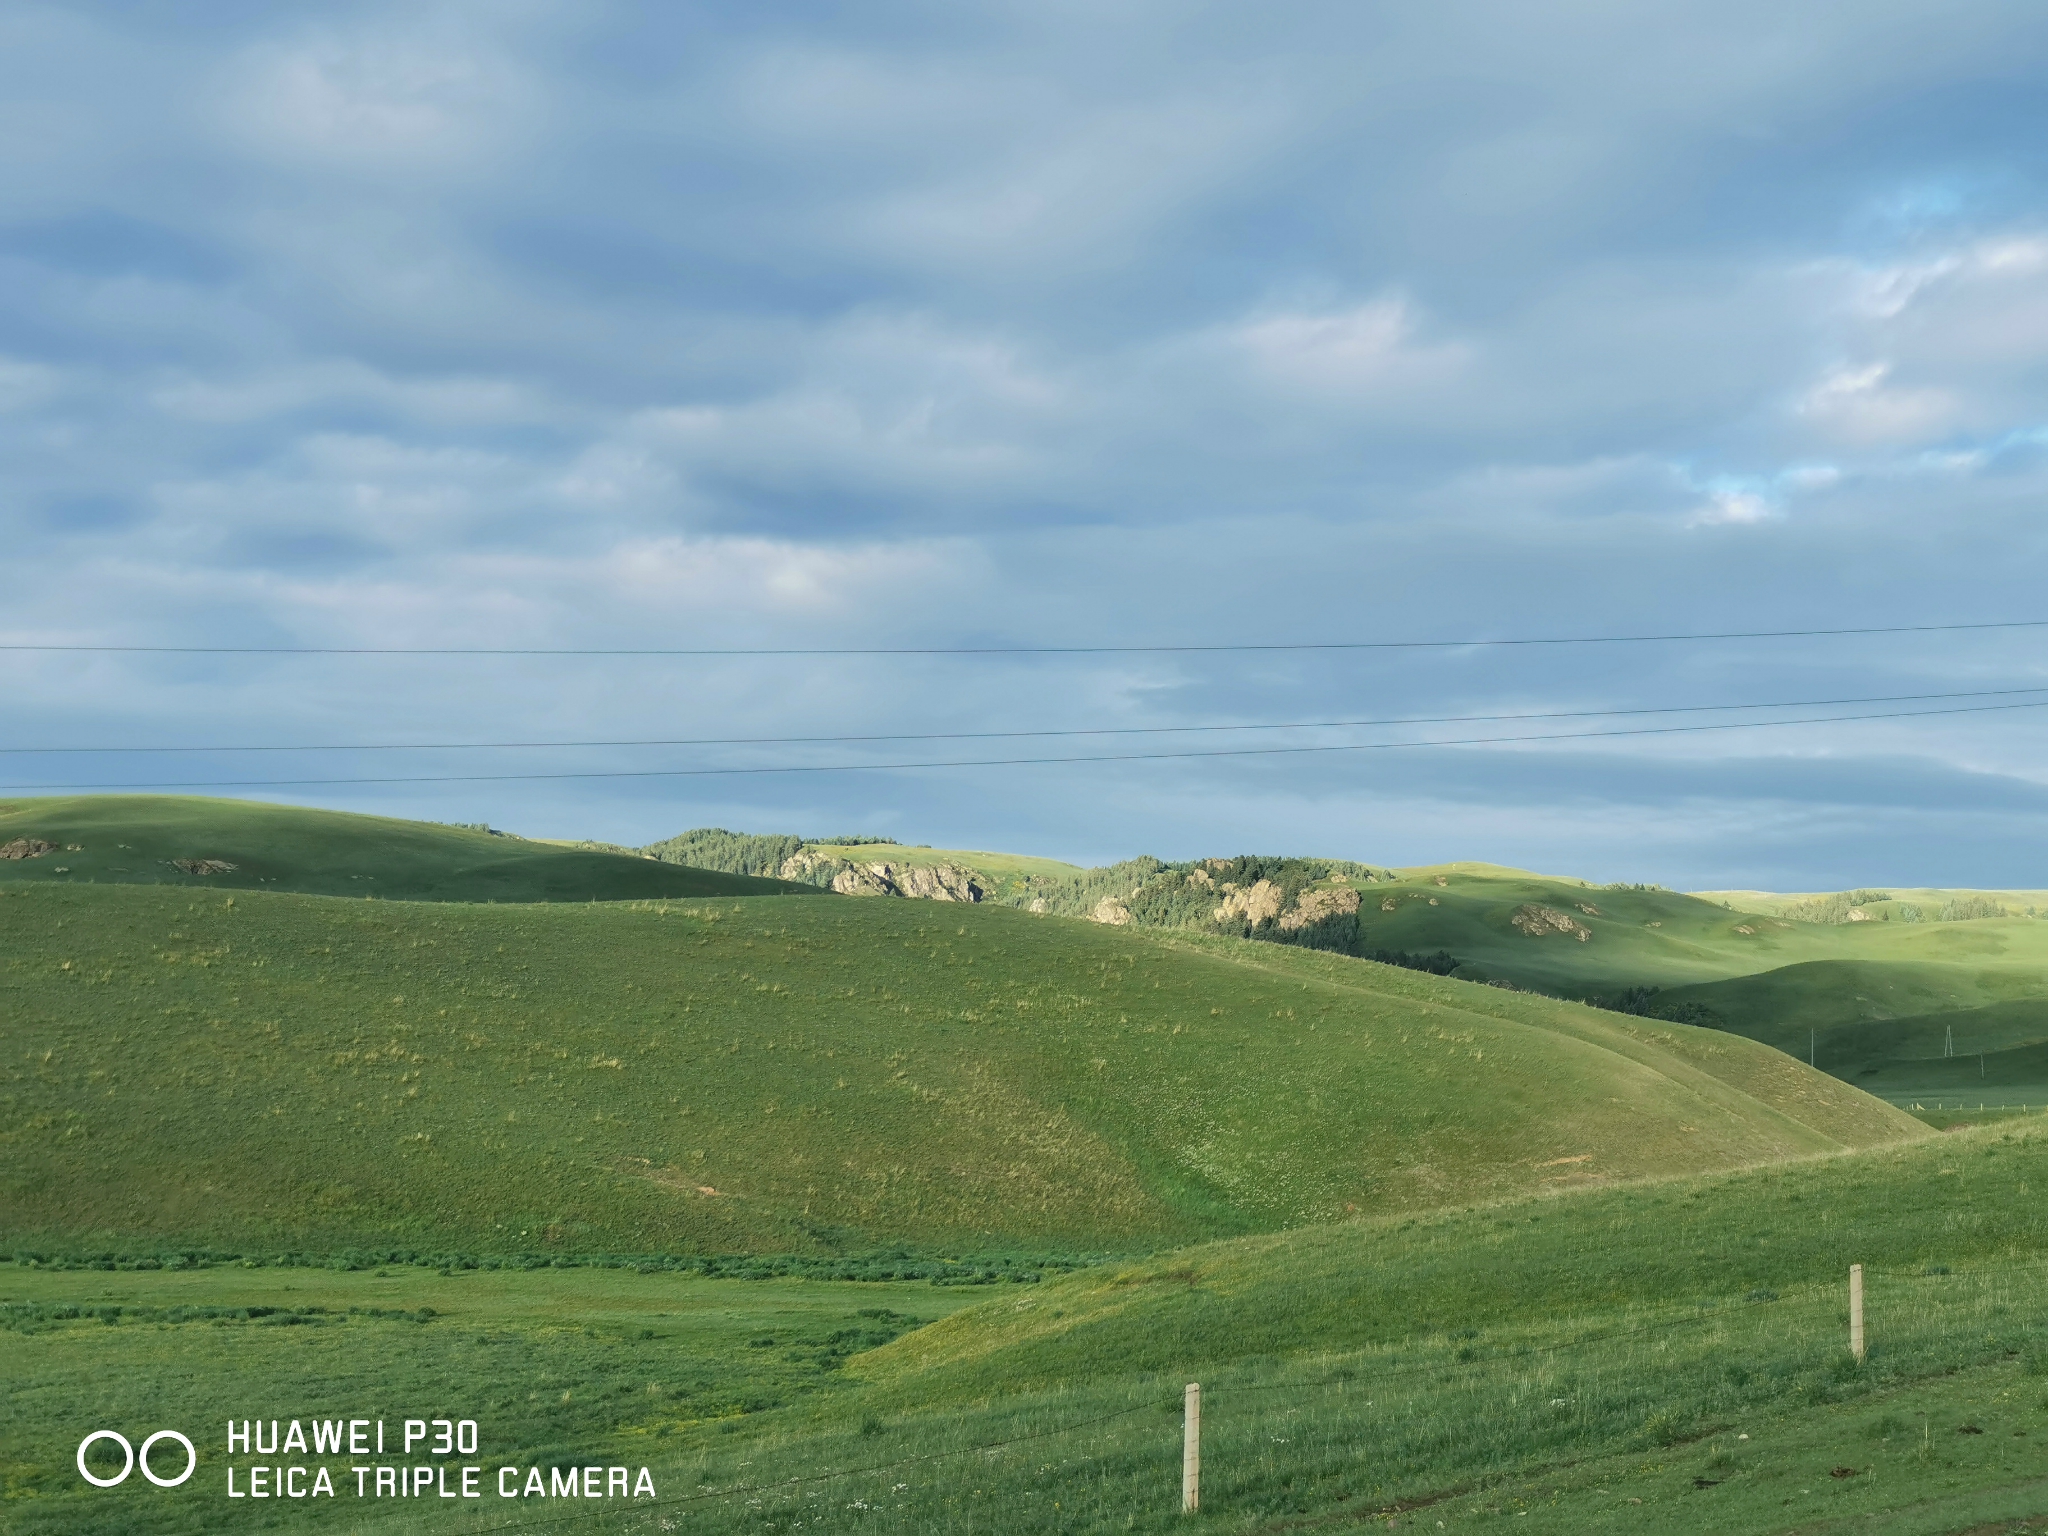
(182,842)
(799,1074)
(865,1214)
(1913,1011)
(1667,1357)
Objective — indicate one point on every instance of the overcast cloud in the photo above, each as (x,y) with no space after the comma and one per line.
(530,324)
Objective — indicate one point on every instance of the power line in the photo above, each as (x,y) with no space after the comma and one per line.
(1025,762)
(1121,730)
(1017,650)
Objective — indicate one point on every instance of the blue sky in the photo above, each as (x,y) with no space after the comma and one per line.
(526,324)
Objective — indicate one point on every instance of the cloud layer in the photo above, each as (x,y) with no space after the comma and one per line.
(914,326)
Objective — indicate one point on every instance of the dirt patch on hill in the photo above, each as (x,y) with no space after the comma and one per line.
(27,848)
(671,1177)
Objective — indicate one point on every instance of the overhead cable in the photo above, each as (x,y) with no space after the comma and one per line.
(1014,650)
(1105,730)
(1025,762)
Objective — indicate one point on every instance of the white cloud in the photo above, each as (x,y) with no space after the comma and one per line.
(1369,347)
(1731,506)
(399,101)
(1856,405)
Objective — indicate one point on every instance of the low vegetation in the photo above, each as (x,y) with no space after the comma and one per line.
(1666,1358)
(229,845)
(798,1075)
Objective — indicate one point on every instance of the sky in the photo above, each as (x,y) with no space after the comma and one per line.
(931,327)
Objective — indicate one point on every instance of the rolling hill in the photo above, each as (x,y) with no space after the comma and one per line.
(1881,1002)
(239,845)
(795,1074)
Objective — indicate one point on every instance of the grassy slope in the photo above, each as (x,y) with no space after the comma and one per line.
(551,1366)
(130,840)
(1950,1232)
(1881,995)
(1928,898)
(1581,1363)
(795,1074)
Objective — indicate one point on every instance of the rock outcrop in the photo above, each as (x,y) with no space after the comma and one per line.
(1111,911)
(1256,904)
(920,882)
(1314,906)
(27,848)
(1538,921)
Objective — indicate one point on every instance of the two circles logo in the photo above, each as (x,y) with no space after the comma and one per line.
(131,1458)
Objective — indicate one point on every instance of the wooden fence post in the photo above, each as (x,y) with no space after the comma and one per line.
(1191,1452)
(1856,1311)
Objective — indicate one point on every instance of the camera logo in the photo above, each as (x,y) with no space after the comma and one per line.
(132,1459)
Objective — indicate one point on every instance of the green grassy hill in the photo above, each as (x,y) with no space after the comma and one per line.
(795,1074)
(1929,900)
(240,845)
(1875,1001)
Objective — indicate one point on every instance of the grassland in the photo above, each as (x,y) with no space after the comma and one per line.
(1929,899)
(1880,1003)
(1666,1358)
(798,1074)
(246,846)
(1441,1253)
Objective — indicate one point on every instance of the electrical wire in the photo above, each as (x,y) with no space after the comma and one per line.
(1120,730)
(1026,762)
(1016,650)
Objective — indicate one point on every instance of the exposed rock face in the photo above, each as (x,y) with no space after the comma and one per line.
(203,866)
(1314,906)
(1037,904)
(923,882)
(27,848)
(1258,904)
(804,863)
(1538,921)
(1112,911)
(1858,915)
(1202,878)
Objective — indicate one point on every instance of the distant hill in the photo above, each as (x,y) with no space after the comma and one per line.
(1949,973)
(794,1074)
(240,845)
(1885,992)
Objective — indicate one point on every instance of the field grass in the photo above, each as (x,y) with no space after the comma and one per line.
(1878,1003)
(550,1364)
(137,839)
(798,1074)
(1930,899)
(1666,1358)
